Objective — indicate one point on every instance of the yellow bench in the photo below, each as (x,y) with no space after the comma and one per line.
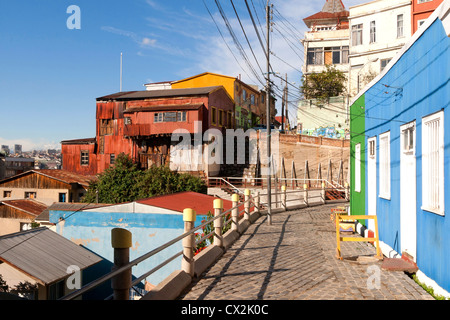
(340,217)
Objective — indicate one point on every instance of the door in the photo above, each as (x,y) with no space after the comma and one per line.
(408,196)
(371,180)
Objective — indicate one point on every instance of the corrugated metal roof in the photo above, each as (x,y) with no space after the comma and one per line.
(188,106)
(58,174)
(66,176)
(43,254)
(79,141)
(29,206)
(201,203)
(71,207)
(148,94)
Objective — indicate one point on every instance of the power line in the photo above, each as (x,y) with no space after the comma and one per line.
(245,35)
(223,38)
(236,42)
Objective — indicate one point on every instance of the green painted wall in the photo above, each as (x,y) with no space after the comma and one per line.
(357,135)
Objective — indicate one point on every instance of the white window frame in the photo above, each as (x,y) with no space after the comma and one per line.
(373,32)
(385,165)
(408,136)
(357,34)
(420,23)
(433,163)
(358,167)
(400,29)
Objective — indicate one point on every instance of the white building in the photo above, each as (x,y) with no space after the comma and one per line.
(326,43)
(378,31)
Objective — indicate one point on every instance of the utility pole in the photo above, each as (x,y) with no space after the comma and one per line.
(121,72)
(284,106)
(269,175)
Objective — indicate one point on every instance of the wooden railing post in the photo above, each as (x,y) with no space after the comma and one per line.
(246,204)
(187,262)
(257,202)
(347,191)
(283,196)
(234,211)
(218,223)
(323,193)
(305,193)
(121,242)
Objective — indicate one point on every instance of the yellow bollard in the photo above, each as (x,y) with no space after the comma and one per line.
(121,242)
(235,212)
(187,262)
(218,223)
(247,204)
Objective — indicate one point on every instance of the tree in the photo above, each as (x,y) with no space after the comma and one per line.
(324,85)
(161,180)
(116,184)
(3,286)
(124,182)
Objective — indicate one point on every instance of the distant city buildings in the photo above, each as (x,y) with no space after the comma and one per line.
(15,163)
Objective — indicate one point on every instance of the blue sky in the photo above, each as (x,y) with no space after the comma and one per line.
(51,75)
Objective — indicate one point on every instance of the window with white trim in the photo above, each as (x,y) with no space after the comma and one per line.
(433,163)
(371,148)
(408,138)
(400,26)
(357,34)
(385,165)
(358,167)
(373,32)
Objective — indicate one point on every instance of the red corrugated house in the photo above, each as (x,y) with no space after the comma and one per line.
(141,123)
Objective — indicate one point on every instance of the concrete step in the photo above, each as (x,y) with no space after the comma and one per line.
(399,264)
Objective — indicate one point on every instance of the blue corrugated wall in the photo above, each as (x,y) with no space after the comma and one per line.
(416,86)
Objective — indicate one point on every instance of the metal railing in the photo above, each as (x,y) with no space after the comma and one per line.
(151,253)
(248,203)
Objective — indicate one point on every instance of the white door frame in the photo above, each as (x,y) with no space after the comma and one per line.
(408,194)
(372,180)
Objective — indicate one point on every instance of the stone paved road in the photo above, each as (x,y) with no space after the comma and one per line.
(294,259)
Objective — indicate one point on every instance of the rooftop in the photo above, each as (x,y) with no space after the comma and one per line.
(150,94)
(200,202)
(28,206)
(43,254)
(58,174)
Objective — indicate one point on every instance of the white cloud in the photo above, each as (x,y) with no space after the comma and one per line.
(148,42)
(30,144)
(140,40)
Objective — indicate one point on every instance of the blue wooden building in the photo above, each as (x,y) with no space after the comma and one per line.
(400,166)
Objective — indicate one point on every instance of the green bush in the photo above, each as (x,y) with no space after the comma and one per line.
(124,182)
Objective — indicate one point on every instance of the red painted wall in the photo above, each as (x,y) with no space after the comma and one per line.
(71,158)
(421,11)
(119,138)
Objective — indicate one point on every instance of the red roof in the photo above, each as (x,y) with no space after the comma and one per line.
(28,206)
(57,174)
(327,15)
(201,203)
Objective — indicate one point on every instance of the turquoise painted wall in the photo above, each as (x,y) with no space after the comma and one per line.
(149,231)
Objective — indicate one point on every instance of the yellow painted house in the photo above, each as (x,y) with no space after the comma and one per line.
(250,105)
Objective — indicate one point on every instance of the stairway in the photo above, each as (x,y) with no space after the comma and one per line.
(334,195)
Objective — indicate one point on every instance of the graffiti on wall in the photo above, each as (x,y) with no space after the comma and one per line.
(327,132)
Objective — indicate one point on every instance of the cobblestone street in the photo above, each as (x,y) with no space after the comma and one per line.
(294,259)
